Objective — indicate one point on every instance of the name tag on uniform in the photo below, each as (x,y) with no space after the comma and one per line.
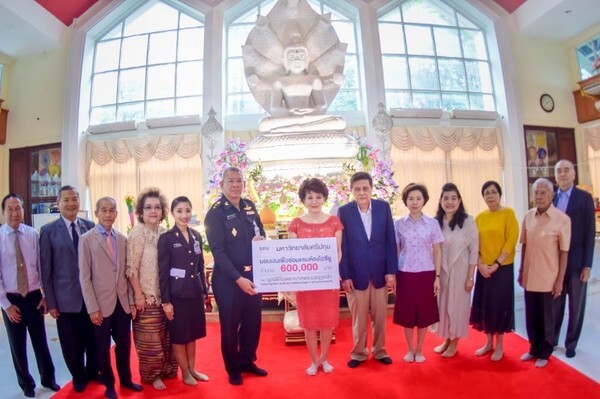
(197,248)
(177,245)
(232,216)
(177,273)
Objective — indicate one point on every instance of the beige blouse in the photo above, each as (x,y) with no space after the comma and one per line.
(142,260)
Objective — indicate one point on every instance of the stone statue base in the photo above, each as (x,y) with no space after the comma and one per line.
(294,146)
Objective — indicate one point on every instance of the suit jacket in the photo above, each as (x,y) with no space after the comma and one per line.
(60,266)
(365,260)
(583,230)
(101,284)
(177,256)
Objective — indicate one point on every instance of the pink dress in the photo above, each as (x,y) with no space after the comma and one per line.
(317,309)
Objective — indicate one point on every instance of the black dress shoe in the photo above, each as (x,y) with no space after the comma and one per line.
(385,360)
(570,353)
(110,393)
(252,368)
(354,363)
(235,379)
(132,386)
(53,386)
(29,392)
(79,386)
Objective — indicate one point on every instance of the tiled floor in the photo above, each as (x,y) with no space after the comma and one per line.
(587,360)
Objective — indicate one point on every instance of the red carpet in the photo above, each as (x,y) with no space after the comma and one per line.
(464,376)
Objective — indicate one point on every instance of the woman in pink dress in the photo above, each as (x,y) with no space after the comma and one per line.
(318,311)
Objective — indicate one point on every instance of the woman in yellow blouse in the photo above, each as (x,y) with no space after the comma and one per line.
(150,334)
(493,308)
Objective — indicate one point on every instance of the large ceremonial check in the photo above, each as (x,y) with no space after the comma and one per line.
(299,264)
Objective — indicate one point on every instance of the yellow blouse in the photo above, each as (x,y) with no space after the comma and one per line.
(498,232)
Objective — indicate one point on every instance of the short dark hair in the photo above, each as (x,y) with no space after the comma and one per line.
(415,187)
(9,196)
(361,176)
(491,183)
(460,215)
(315,185)
(150,192)
(66,188)
(179,200)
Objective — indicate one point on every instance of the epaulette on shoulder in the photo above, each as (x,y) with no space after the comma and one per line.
(216,204)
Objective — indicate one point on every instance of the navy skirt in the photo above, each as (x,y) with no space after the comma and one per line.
(189,320)
(493,307)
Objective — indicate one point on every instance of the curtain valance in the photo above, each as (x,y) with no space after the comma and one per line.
(447,138)
(143,149)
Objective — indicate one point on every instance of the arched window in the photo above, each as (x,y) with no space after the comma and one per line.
(434,57)
(149,65)
(239,99)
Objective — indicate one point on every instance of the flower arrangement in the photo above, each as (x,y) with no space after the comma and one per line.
(234,154)
(368,157)
(130,201)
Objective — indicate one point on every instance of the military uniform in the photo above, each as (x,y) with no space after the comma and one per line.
(230,232)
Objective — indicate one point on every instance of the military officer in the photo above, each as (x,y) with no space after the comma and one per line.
(232,223)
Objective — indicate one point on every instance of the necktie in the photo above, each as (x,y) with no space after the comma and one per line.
(111,247)
(22,282)
(75,236)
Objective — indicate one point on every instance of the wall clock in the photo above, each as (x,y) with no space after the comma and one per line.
(547,102)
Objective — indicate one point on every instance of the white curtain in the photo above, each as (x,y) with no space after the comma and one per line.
(436,155)
(119,168)
(592,137)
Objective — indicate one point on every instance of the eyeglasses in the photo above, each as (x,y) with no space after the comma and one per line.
(152,208)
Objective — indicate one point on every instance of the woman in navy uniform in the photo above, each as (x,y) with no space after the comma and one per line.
(232,223)
(183,287)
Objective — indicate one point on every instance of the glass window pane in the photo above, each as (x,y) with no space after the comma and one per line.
(447,43)
(104,89)
(428,12)
(489,104)
(350,73)
(162,47)
(452,75)
(478,76)
(346,100)
(419,40)
(392,16)
(160,108)
(426,100)
(395,72)
(249,16)
(482,102)
(454,101)
(391,39)
(161,81)
(267,6)
(134,51)
(101,115)
(114,32)
(465,23)
(189,106)
(242,104)
(423,73)
(397,99)
(107,55)
(236,80)
(345,32)
(132,85)
(191,44)
(189,79)
(335,15)
(473,44)
(131,112)
(154,19)
(236,38)
(185,21)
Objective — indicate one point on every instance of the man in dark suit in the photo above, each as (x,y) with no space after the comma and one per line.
(232,223)
(579,206)
(60,276)
(23,306)
(107,294)
(368,266)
